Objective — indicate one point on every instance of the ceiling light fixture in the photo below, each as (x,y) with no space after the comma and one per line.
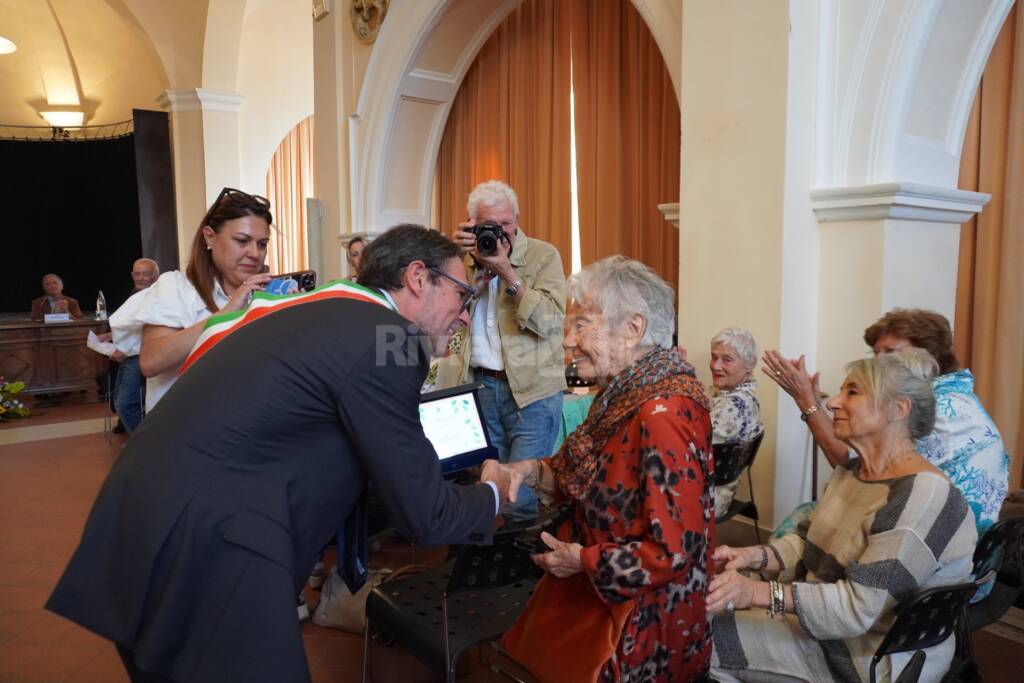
(63,119)
(7,46)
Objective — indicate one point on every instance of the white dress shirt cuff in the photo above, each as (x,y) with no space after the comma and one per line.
(497,498)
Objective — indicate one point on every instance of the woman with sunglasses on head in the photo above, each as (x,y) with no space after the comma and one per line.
(225,265)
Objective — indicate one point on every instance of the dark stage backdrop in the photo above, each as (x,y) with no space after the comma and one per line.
(70,208)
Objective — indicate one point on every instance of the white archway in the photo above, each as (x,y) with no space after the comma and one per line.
(407,94)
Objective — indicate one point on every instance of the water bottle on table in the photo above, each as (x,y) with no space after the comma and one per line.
(101,306)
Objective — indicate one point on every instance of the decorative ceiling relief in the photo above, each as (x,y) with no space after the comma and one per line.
(367,17)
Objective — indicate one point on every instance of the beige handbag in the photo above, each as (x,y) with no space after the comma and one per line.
(339,609)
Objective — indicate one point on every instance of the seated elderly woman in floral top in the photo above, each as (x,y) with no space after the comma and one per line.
(623,594)
(735,411)
(890,523)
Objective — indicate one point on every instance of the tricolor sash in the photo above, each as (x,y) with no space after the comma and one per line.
(220,325)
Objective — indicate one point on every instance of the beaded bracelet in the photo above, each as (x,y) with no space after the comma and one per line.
(764,560)
(778,598)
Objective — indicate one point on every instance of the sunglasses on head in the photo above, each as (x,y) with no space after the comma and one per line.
(241,197)
(468,294)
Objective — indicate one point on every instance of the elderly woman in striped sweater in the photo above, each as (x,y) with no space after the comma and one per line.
(889,524)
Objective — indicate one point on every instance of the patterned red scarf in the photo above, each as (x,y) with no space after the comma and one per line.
(662,372)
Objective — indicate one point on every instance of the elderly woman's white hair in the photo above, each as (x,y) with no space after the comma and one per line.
(490,194)
(619,288)
(742,343)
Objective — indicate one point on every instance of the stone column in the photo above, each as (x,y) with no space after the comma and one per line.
(204,138)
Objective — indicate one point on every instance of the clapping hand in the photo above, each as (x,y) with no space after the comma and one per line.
(563,560)
(792,377)
(61,307)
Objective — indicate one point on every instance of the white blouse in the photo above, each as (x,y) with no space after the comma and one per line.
(171,301)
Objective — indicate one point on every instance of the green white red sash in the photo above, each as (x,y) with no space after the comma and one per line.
(220,325)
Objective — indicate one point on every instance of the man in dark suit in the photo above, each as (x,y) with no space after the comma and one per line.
(54,300)
(210,520)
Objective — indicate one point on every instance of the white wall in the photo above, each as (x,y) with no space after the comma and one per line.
(275,75)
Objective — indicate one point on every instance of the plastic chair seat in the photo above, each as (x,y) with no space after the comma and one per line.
(926,619)
(410,611)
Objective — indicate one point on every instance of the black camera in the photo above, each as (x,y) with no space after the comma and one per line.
(488,235)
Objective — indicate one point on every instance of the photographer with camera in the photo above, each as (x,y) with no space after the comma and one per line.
(515,336)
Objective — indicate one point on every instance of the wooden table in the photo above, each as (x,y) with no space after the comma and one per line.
(50,357)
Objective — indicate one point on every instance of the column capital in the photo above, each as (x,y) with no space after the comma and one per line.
(671,213)
(200,99)
(899,200)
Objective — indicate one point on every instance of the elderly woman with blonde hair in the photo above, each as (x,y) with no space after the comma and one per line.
(623,594)
(890,523)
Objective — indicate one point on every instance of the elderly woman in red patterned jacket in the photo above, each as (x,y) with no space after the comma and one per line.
(623,596)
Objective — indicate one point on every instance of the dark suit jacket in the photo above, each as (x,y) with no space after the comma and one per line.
(40,306)
(212,517)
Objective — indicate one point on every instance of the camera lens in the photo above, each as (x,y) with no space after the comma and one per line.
(486,244)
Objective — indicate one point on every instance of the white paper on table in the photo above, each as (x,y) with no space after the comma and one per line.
(94,343)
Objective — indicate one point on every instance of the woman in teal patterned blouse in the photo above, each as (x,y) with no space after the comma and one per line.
(965,443)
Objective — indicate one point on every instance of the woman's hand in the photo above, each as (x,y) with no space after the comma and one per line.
(730,591)
(793,377)
(727,557)
(239,298)
(564,558)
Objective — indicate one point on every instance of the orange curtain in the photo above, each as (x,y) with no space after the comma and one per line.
(289,183)
(990,288)
(627,137)
(510,121)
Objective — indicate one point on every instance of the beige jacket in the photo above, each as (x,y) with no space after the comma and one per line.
(531,333)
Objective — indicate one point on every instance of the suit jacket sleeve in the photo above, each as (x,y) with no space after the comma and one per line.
(378,404)
(74,309)
(37,308)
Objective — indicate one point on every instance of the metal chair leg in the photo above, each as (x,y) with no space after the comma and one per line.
(366,648)
(449,668)
(753,504)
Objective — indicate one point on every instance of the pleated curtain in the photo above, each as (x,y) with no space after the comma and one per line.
(989,328)
(510,121)
(289,182)
(627,137)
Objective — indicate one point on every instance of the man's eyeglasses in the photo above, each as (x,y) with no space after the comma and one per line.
(467,293)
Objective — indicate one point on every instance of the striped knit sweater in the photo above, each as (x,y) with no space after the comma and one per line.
(868,546)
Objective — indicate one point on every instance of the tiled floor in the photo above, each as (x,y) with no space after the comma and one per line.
(46,490)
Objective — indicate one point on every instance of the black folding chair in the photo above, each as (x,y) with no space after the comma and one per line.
(439,613)
(1000,550)
(922,621)
(730,461)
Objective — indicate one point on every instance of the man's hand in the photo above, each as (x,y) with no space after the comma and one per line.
(465,239)
(118,356)
(497,263)
(62,306)
(508,479)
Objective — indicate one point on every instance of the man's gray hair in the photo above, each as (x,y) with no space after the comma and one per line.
(620,288)
(490,194)
(741,342)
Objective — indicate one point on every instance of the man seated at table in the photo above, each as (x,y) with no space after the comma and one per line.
(54,300)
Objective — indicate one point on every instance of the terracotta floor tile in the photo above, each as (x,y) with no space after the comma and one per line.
(13,624)
(321,675)
(28,575)
(315,648)
(41,663)
(24,598)
(57,630)
(343,653)
(105,668)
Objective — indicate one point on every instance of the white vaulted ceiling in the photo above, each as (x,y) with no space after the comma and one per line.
(75,54)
